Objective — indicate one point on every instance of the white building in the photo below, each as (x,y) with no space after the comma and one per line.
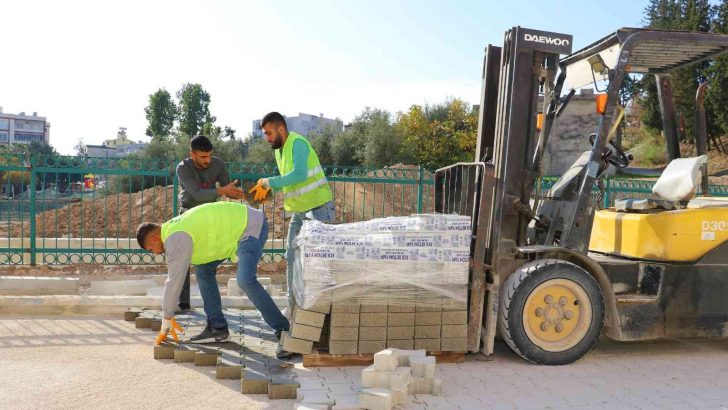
(23,129)
(304,124)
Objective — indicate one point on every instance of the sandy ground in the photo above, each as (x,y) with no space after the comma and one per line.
(104,363)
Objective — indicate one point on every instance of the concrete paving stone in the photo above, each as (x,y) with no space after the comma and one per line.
(315,397)
(373,319)
(371,346)
(156,325)
(454,344)
(344,333)
(441,403)
(428,318)
(428,332)
(343,346)
(400,396)
(307,406)
(401,308)
(449,305)
(373,308)
(205,358)
(132,314)
(346,402)
(143,322)
(431,345)
(386,360)
(401,344)
(282,391)
(457,317)
(455,331)
(302,391)
(404,355)
(254,382)
(400,378)
(309,318)
(375,399)
(341,388)
(184,354)
(228,370)
(304,332)
(343,307)
(164,351)
(38,285)
(431,304)
(400,319)
(344,319)
(400,332)
(130,287)
(291,344)
(373,333)
(371,377)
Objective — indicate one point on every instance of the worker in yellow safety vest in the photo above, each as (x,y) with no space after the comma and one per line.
(306,192)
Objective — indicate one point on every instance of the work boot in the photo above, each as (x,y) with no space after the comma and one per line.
(182,310)
(282,354)
(211,335)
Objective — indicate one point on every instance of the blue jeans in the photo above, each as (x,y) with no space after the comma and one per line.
(249,253)
(324,213)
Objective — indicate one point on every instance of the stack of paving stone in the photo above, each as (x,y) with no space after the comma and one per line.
(398,282)
(250,355)
(395,375)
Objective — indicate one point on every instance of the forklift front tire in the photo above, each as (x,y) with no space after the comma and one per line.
(551,312)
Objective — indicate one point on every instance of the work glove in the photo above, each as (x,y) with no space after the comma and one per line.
(260,190)
(169,325)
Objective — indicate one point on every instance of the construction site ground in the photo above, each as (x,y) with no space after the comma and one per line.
(83,362)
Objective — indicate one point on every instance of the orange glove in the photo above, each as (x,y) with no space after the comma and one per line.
(260,190)
(169,325)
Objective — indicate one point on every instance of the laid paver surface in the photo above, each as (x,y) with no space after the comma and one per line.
(55,362)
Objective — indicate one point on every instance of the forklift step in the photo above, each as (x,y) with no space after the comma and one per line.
(635,298)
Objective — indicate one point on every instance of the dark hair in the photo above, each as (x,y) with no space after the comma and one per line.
(144,229)
(200,143)
(274,118)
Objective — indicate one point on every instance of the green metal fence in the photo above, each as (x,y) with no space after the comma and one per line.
(49,216)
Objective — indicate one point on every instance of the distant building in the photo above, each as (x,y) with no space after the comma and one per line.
(304,124)
(118,147)
(23,129)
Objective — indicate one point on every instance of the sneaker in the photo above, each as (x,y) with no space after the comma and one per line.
(182,310)
(211,335)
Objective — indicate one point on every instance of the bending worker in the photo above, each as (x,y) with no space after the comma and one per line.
(205,236)
(306,192)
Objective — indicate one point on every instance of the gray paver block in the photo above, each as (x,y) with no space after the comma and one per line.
(321,306)
(344,333)
(371,346)
(375,399)
(401,344)
(400,332)
(143,322)
(386,360)
(453,304)
(205,359)
(164,351)
(309,318)
(343,346)
(254,382)
(454,344)
(38,285)
(131,314)
(431,345)
(344,319)
(428,318)
(427,332)
(455,331)
(374,308)
(279,391)
(156,325)
(373,333)
(292,344)
(457,317)
(400,308)
(423,366)
(372,319)
(305,332)
(403,356)
(184,354)
(342,307)
(400,319)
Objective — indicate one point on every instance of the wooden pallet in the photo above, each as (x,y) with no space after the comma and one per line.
(323,359)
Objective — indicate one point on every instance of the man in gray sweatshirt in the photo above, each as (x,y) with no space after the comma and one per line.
(197,177)
(205,236)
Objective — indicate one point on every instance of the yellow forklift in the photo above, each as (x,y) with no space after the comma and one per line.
(550,271)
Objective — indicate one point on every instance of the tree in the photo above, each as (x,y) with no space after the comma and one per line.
(259,152)
(80,148)
(716,98)
(343,149)
(229,132)
(194,109)
(161,114)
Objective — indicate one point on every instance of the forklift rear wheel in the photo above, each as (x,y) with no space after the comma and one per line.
(552,312)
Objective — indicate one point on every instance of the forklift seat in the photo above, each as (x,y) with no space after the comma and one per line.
(678,182)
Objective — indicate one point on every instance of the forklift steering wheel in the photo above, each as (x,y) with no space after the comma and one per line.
(616,156)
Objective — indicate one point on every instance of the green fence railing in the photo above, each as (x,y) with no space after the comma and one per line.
(68,210)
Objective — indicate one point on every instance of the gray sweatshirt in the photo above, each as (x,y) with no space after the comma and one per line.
(197,186)
(178,249)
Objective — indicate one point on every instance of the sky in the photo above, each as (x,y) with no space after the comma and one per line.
(90,66)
